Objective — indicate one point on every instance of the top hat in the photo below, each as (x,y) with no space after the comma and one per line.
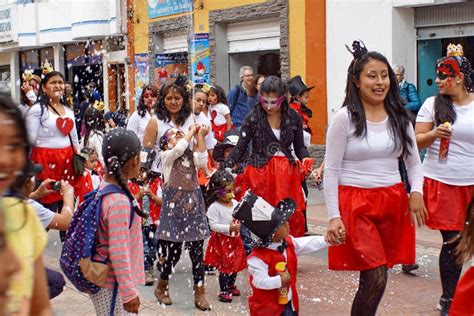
(261,218)
(296,86)
(231,138)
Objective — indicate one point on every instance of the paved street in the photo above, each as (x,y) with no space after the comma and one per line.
(321,291)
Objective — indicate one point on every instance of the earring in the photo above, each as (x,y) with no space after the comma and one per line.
(458,82)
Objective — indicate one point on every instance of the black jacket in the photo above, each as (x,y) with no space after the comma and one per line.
(264,143)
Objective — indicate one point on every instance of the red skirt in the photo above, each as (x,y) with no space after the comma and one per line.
(378,229)
(446,204)
(226,253)
(462,302)
(275,181)
(219,131)
(57,165)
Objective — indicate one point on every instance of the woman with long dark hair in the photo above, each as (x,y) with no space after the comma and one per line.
(146,103)
(445,119)
(52,133)
(365,196)
(273,130)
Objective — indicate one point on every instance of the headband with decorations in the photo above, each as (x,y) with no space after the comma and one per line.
(453,64)
(99,105)
(358,51)
(46,67)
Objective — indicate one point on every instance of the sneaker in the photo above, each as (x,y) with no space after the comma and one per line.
(443,306)
(149,280)
(210,270)
(408,268)
(234,290)
(225,297)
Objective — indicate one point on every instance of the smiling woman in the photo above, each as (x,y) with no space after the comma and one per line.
(53,135)
(363,185)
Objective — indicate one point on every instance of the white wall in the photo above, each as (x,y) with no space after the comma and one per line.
(381,27)
(346,21)
(404,49)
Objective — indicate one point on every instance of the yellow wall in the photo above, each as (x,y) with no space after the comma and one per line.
(140,28)
(297,38)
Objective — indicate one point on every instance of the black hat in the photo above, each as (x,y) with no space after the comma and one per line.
(261,218)
(120,145)
(231,138)
(296,86)
(32,169)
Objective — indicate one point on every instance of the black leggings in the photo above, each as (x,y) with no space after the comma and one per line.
(196,253)
(449,270)
(372,285)
(227,281)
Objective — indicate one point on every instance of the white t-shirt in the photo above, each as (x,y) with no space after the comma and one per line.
(365,162)
(459,169)
(45,215)
(137,124)
(221,111)
(45,134)
(220,217)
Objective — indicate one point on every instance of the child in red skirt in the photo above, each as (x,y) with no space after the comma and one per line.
(462,300)
(364,193)
(220,113)
(274,290)
(225,250)
(449,182)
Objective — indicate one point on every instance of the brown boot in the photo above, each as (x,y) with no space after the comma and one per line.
(199,298)
(162,292)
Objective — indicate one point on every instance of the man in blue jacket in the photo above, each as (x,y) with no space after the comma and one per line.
(407,90)
(243,97)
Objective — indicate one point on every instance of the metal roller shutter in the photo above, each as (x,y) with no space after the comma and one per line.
(175,43)
(254,36)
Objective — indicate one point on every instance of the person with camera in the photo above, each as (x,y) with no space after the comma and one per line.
(23,188)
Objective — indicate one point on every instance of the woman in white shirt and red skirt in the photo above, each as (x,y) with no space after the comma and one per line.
(448,119)
(52,133)
(366,199)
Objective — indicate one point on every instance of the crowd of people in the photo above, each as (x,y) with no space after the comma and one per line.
(193,164)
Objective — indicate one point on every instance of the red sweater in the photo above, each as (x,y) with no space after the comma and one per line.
(265,302)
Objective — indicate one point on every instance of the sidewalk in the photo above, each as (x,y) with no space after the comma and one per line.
(321,291)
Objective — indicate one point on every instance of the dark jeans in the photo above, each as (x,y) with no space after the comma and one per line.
(227,281)
(56,283)
(56,207)
(288,310)
(246,239)
(196,253)
(149,245)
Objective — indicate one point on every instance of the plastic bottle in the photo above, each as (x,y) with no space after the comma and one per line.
(283,291)
(146,205)
(444,146)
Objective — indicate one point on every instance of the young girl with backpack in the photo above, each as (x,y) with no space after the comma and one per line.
(183,214)
(225,250)
(119,237)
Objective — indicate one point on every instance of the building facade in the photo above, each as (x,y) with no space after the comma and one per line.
(84,40)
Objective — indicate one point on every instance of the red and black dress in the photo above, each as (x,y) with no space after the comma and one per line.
(48,132)
(272,171)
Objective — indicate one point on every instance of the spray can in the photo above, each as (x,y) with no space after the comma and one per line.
(444,146)
(282,291)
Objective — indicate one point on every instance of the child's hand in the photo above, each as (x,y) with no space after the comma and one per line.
(204,130)
(235,227)
(285,277)
(193,128)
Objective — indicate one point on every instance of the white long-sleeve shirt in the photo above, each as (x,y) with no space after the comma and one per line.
(259,269)
(365,162)
(43,132)
(220,217)
(169,156)
(138,124)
